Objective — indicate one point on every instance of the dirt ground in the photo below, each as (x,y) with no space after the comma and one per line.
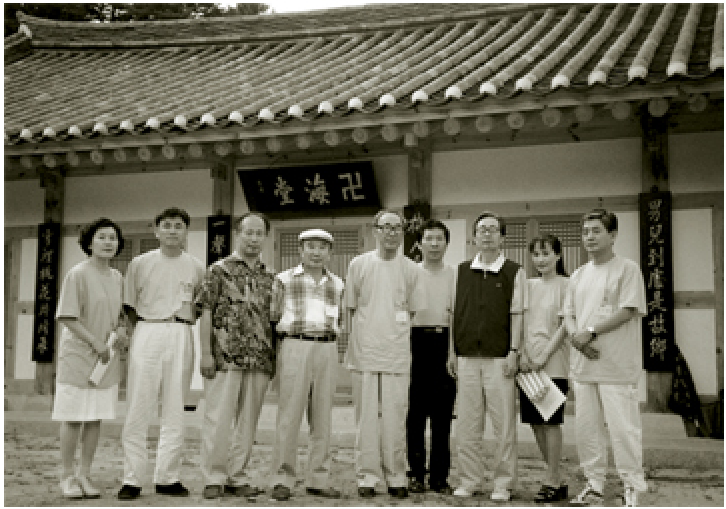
(32,469)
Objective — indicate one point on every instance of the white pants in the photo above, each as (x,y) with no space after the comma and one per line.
(483,386)
(232,404)
(161,358)
(380,446)
(304,365)
(616,405)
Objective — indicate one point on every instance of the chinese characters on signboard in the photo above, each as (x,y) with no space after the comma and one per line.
(219,238)
(415,216)
(46,291)
(346,188)
(657,264)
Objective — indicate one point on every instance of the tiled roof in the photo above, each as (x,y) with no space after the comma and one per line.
(84,79)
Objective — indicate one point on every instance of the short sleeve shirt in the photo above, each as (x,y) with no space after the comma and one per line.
(543,320)
(383,293)
(595,293)
(240,299)
(440,290)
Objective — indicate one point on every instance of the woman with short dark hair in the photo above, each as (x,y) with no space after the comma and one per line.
(89,309)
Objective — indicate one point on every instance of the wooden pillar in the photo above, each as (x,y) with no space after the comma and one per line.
(223,174)
(654,176)
(53,181)
(718,258)
(420,174)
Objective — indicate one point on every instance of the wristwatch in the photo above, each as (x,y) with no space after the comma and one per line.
(592,332)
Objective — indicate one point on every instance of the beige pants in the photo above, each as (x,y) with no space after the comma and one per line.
(161,358)
(380,446)
(307,374)
(232,404)
(616,405)
(483,386)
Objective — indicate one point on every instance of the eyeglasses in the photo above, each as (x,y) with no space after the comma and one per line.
(390,228)
(481,230)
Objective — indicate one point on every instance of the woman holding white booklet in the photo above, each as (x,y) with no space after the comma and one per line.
(89,309)
(544,350)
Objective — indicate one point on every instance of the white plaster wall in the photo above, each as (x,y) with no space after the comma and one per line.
(695,336)
(456,252)
(24,366)
(23,203)
(391,175)
(692,250)
(602,168)
(696,162)
(627,243)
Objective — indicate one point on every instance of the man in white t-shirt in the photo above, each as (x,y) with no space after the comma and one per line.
(382,293)
(158,294)
(603,308)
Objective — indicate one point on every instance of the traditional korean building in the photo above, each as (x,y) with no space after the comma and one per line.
(539,112)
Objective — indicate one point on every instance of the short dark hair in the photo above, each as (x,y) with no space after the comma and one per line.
(608,219)
(382,212)
(556,246)
(433,224)
(253,214)
(487,213)
(170,213)
(89,231)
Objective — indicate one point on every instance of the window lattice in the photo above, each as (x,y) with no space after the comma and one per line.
(570,235)
(515,243)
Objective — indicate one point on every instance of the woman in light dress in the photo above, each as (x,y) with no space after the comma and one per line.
(89,310)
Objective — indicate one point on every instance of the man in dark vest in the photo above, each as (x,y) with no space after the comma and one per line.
(491,297)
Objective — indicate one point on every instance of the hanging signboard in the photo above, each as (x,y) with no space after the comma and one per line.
(657,262)
(219,237)
(46,291)
(415,215)
(333,189)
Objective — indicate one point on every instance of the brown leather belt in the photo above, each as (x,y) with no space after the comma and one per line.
(328,338)
(171,319)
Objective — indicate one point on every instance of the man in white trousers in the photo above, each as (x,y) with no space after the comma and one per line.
(491,298)
(238,358)
(603,308)
(382,292)
(158,298)
(308,303)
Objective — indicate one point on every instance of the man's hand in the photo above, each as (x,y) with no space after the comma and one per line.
(122,339)
(526,364)
(104,354)
(207,366)
(510,364)
(452,364)
(590,352)
(580,341)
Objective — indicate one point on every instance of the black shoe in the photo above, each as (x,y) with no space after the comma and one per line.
(280,493)
(416,486)
(128,492)
(245,490)
(175,490)
(441,488)
(327,493)
(551,494)
(364,492)
(398,492)
(212,491)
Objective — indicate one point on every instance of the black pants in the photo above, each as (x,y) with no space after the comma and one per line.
(431,395)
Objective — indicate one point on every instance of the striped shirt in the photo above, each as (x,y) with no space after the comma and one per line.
(307,307)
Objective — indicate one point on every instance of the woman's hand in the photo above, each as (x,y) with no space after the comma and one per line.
(122,339)
(104,354)
(207,366)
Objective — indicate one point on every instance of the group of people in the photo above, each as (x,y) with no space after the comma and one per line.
(421,336)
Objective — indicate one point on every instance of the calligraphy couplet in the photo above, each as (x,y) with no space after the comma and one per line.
(415,215)
(219,237)
(657,264)
(46,291)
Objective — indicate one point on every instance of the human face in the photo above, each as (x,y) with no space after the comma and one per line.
(433,245)
(389,231)
(171,232)
(104,243)
(487,234)
(251,236)
(545,259)
(595,237)
(315,253)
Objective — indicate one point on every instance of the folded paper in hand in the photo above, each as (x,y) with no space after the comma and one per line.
(542,392)
(100,369)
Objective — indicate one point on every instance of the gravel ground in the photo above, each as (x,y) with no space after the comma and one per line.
(32,469)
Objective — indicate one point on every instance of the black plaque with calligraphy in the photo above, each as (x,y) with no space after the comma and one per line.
(416,215)
(46,291)
(321,190)
(219,237)
(657,264)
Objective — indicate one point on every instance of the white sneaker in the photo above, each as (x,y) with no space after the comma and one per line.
(588,497)
(70,488)
(501,495)
(462,492)
(630,497)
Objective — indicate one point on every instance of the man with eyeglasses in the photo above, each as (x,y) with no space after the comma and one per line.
(491,297)
(382,293)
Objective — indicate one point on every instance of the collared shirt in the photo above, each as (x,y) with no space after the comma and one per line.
(240,299)
(519,296)
(307,307)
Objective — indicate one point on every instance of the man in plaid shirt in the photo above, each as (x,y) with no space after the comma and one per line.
(308,304)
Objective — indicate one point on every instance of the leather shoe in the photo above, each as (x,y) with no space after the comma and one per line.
(327,493)
(364,492)
(176,489)
(280,493)
(441,488)
(398,492)
(551,494)
(212,491)
(245,490)
(128,492)
(416,486)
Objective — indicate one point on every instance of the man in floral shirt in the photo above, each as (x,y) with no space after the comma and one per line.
(238,357)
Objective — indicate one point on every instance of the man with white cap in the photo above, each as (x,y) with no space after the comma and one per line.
(307,303)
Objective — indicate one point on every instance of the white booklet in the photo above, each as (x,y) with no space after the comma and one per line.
(542,392)
(100,369)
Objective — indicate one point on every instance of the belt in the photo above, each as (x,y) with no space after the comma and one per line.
(171,319)
(327,338)
(432,329)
